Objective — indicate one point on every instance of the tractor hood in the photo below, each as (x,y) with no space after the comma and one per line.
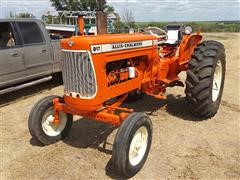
(108,42)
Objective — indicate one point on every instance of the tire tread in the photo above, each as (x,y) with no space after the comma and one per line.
(199,78)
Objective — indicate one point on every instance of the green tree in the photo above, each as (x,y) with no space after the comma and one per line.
(119,27)
(79,5)
(50,19)
(128,19)
(109,8)
(24,15)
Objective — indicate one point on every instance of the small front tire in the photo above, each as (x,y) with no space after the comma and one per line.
(132,144)
(40,122)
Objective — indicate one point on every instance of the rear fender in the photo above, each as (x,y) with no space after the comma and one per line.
(187,47)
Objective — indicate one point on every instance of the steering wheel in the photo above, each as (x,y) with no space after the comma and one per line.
(158,32)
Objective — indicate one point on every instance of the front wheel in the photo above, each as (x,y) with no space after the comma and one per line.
(40,122)
(132,144)
(205,79)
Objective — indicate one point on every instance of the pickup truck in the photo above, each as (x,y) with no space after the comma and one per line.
(28,56)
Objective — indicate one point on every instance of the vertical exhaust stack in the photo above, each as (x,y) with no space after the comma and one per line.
(81,25)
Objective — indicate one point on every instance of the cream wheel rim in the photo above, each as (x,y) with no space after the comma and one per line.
(138,146)
(217,81)
(49,127)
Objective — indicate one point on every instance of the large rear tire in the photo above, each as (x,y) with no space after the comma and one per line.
(132,144)
(205,79)
(40,122)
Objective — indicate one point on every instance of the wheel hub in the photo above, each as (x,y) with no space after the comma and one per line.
(50,119)
(138,146)
(48,125)
(217,80)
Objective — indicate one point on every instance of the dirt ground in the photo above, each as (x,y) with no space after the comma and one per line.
(181,148)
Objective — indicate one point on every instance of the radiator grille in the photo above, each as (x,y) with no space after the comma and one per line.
(78,74)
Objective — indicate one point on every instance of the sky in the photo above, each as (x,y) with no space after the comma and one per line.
(144,10)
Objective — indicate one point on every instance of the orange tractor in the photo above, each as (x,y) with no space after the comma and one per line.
(101,72)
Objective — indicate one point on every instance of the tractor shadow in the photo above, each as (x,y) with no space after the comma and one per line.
(86,133)
(174,105)
(91,134)
(177,106)
(35,142)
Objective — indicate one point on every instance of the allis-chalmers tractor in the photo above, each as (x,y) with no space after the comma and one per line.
(101,72)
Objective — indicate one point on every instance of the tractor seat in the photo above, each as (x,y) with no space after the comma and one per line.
(174,35)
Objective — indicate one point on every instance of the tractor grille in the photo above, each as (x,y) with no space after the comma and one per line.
(78,74)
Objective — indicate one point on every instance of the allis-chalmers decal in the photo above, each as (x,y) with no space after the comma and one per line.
(127,45)
(120,46)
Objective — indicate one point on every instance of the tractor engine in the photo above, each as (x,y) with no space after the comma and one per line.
(99,68)
(120,71)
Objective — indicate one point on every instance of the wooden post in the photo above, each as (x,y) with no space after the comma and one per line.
(101,22)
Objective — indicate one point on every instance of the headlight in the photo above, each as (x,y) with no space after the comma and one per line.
(188,30)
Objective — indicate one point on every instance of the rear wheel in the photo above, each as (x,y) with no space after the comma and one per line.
(40,122)
(205,79)
(132,144)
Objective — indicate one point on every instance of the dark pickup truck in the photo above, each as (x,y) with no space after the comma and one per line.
(28,56)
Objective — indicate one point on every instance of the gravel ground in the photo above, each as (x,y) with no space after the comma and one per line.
(181,148)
